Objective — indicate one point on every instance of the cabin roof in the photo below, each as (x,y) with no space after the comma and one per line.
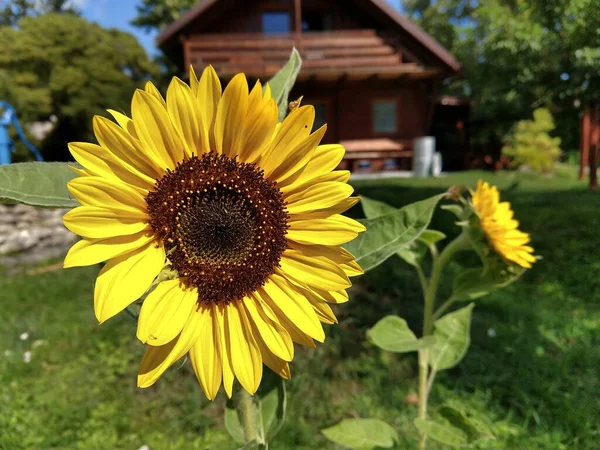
(379,9)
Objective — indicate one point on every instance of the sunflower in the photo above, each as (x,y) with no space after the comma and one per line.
(501,230)
(227,220)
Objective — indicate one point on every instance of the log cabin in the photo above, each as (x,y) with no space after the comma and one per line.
(372,75)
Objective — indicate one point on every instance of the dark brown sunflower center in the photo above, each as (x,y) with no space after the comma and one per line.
(223,225)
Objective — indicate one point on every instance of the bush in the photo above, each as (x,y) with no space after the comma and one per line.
(531,145)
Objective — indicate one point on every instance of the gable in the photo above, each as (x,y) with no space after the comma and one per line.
(213,17)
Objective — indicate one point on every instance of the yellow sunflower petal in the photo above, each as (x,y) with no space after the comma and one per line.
(164,312)
(128,149)
(295,333)
(184,112)
(193,80)
(154,92)
(294,130)
(324,160)
(153,126)
(222,347)
(318,272)
(324,313)
(276,338)
(124,122)
(230,121)
(158,359)
(204,355)
(124,279)
(501,229)
(245,354)
(297,157)
(277,365)
(102,162)
(98,191)
(208,94)
(318,196)
(262,120)
(100,223)
(334,230)
(87,252)
(285,300)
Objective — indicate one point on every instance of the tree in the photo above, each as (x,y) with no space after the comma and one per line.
(519,55)
(531,145)
(156,14)
(63,65)
(11,11)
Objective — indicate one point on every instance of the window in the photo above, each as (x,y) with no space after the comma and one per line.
(315,21)
(320,115)
(276,22)
(384,117)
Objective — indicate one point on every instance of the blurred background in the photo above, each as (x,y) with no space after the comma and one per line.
(449,90)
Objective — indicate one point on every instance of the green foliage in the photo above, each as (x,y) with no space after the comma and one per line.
(362,434)
(37,183)
(414,251)
(79,390)
(283,82)
(11,11)
(517,54)
(63,65)
(387,234)
(157,14)
(452,427)
(393,335)
(531,145)
(473,283)
(452,338)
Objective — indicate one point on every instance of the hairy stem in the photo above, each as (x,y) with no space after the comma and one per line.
(248,414)
(429,293)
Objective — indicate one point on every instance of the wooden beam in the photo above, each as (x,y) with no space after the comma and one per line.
(298,23)
(329,76)
(187,55)
(584,147)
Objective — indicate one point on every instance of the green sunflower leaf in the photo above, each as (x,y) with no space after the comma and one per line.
(452,338)
(375,208)
(393,335)
(473,283)
(37,184)
(431,237)
(283,82)
(362,434)
(390,232)
(452,427)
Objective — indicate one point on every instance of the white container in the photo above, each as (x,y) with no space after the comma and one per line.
(436,164)
(424,148)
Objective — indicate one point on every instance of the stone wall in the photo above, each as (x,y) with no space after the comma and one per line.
(29,235)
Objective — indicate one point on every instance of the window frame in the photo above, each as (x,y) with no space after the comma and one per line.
(393,100)
(282,11)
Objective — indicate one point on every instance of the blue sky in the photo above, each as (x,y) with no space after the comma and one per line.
(118,14)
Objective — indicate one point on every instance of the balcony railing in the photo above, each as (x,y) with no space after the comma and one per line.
(262,55)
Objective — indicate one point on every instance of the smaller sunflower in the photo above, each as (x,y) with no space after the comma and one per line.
(501,229)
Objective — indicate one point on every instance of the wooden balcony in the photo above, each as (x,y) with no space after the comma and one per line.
(357,54)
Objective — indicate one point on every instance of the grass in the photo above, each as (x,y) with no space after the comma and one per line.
(532,372)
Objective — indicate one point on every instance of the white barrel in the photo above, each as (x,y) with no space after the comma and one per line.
(436,164)
(424,148)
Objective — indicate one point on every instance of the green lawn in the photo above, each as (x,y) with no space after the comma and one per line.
(532,372)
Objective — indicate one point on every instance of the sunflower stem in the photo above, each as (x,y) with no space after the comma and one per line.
(248,413)
(429,294)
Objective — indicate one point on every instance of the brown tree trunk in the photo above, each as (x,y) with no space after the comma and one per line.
(584,148)
(594,135)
